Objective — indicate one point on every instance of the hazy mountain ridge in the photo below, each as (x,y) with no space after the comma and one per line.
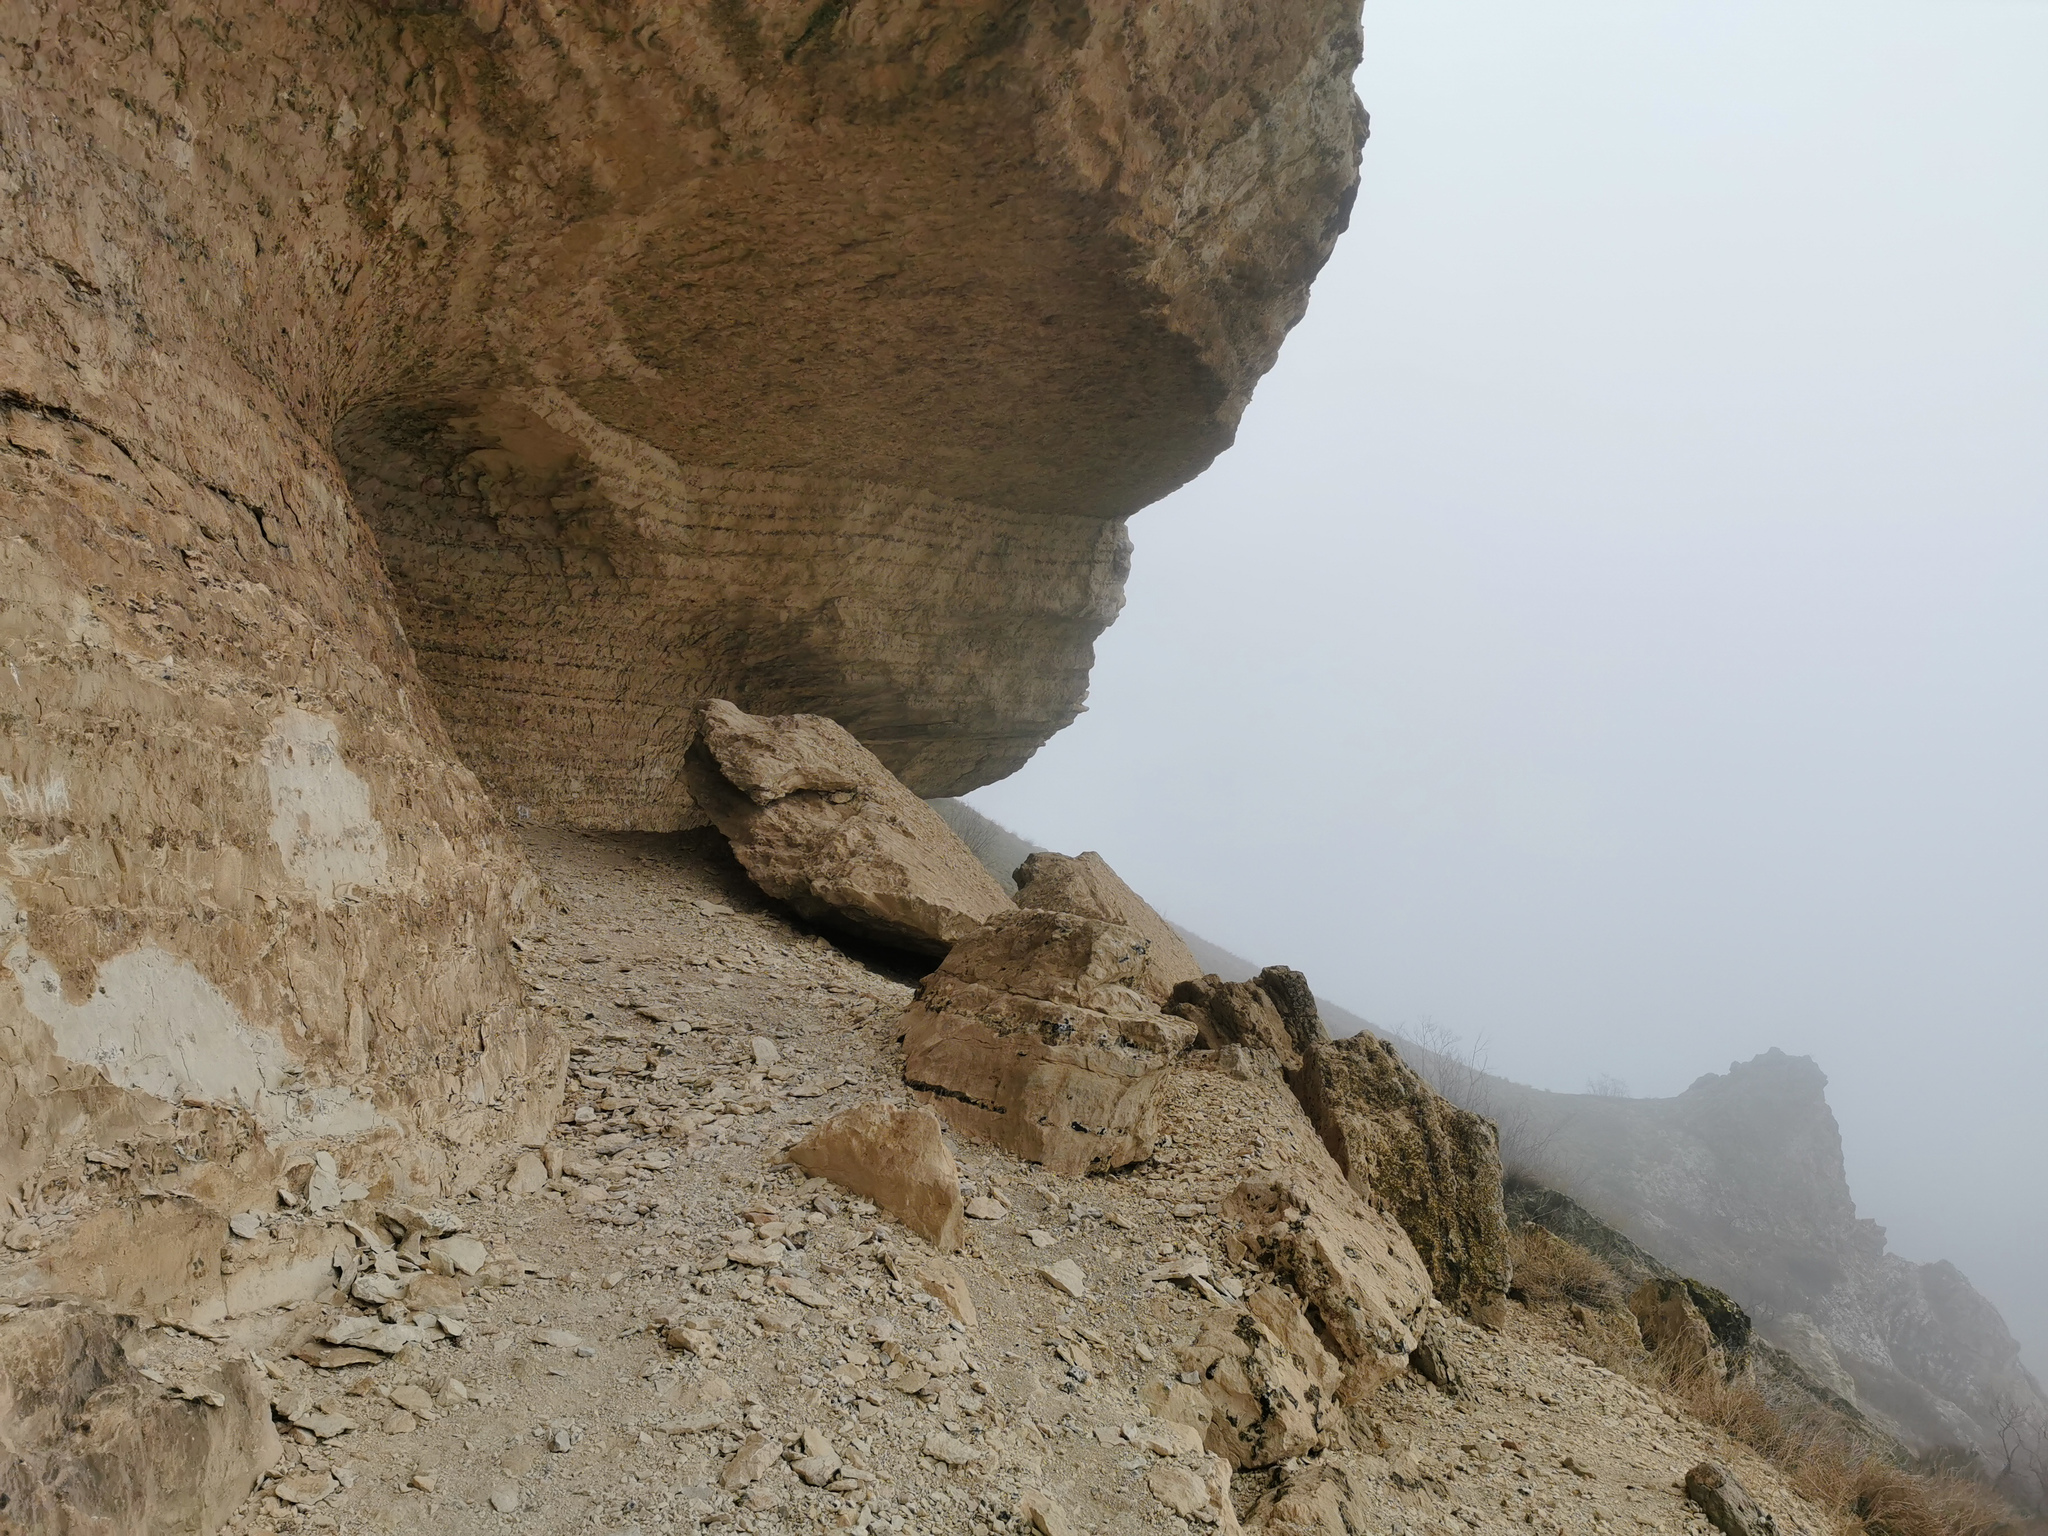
(1740,1182)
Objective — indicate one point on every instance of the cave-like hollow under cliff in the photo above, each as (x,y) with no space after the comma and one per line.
(408,412)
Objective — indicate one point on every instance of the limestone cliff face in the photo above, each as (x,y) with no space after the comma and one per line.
(411,403)
(1739,1182)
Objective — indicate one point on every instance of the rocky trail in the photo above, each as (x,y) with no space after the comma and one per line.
(656,1322)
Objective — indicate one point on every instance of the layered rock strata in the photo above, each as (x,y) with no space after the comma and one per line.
(395,391)
(1035,1035)
(1086,886)
(817,822)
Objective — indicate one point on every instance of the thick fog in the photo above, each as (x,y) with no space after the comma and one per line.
(1621,629)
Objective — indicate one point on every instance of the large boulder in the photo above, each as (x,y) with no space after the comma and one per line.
(1435,1167)
(1086,886)
(1036,1034)
(1360,1281)
(819,823)
(89,1446)
(1275,1011)
(1269,1381)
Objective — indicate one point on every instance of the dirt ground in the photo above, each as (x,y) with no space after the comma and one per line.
(830,1375)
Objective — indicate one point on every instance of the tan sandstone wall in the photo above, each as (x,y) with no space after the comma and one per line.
(393,387)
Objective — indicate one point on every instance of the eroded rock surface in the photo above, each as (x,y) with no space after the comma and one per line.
(1273,1012)
(1270,1382)
(1435,1166)
(819,823)
(1356,1273)
(89,1444)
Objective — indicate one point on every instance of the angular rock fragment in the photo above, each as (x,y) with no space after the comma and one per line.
(951,1450)
(1087,887)
(1434,1166)
(819,1462)
(1726,1503)
(944,1281)
(1361,1284)
(757,1453)
(1039,1512)
(1200,1493)
(306,1489)
(1065,1276)
(91,1444)
(1034,1034)
(1312,1498)
(529,1175)
(1436,1361)
(817,822)
(457,1254)
(1179,1403)
(896,1158)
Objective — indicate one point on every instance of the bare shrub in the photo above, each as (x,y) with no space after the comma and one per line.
(1549,1270)
(1458,1072)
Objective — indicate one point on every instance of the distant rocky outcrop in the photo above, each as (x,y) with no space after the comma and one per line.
(1739,1183)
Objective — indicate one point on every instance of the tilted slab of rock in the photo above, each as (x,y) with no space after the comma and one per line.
(1360,1280)
(1674,1326)
(817,822)
(88,1443)
(1086,886)
(896,1158)
(1726,1503)
(1434,1166)
(1035,1035)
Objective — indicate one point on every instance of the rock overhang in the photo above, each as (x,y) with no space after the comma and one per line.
(812,355)
(406,407)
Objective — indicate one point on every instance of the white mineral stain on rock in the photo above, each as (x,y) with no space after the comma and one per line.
(155,1025)
(320,815)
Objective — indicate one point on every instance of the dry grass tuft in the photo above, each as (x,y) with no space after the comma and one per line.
(1549,1270)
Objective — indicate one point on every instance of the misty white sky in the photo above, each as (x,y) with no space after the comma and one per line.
(1621,630)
